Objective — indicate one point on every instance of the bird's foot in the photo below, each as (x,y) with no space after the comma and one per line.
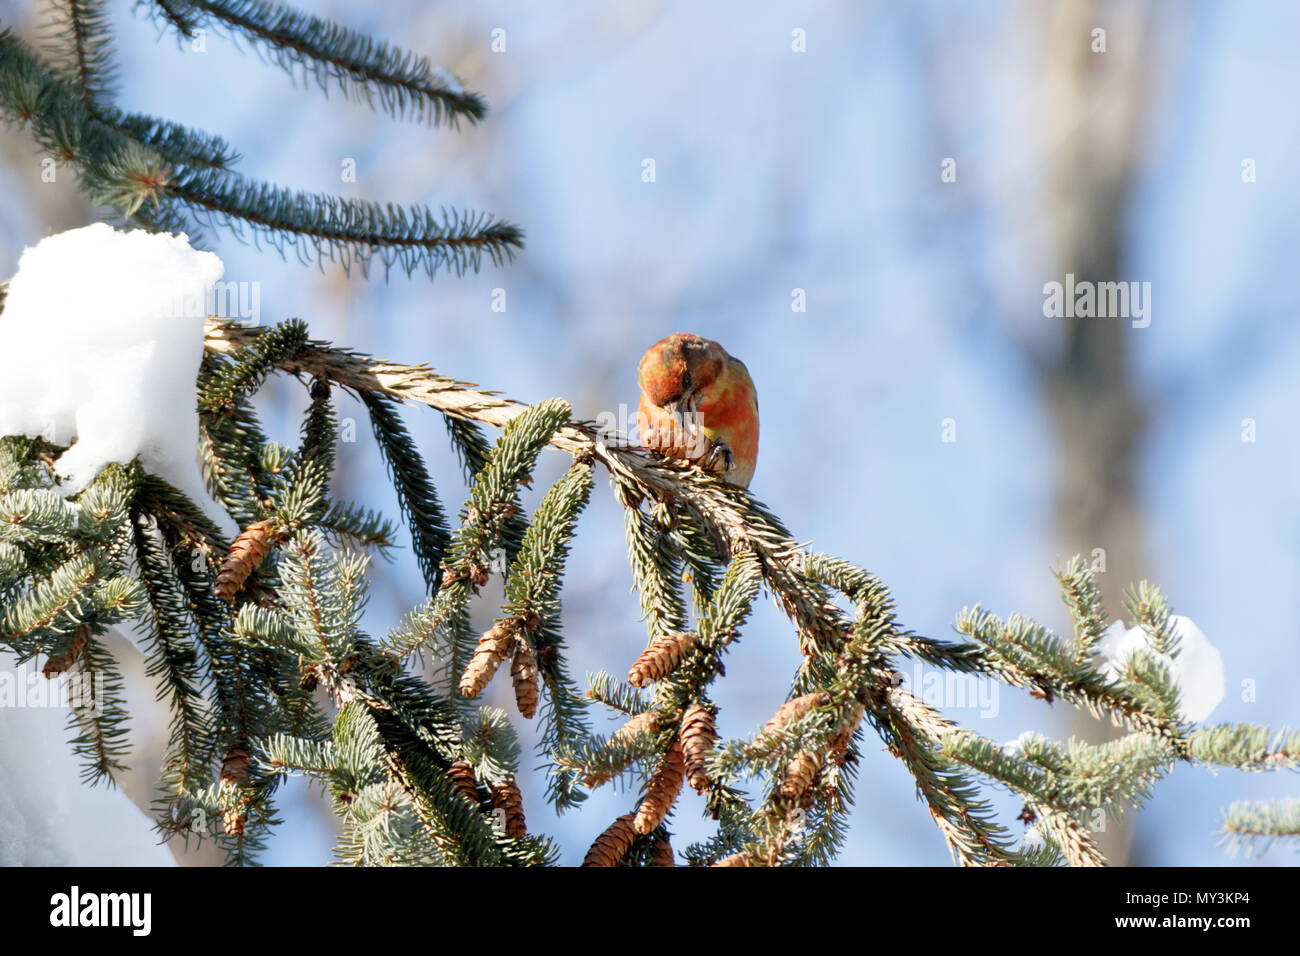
(718,459)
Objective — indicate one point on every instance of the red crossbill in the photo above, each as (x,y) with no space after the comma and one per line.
(698,403)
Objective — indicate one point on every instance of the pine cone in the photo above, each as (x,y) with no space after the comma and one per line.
(234,768)
(462,775)
(661,793)
(493,648)
(234,774)
(612,845)
(523,671)
(800,774)
(698,736)
(233,820)
(661,658)
(243,558)
(796,708)
(840,745)
(736,859)
(58,663)
(506,796)
(641,723)
(661,852)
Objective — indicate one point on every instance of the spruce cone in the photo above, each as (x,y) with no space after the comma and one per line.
(506,796)
(840,744)
(736,859)
(647,722)
(661,852)
(641,723)
(698,738)
(661,658)
(462,775)
(234,774)
(233,820)
(796,708)
(58,663)
(493,648)
(243,558)
(661,793)
(310,679)
(800,774)
(612,845)
(234,768)
(523,671)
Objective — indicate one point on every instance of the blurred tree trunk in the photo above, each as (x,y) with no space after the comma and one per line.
(1103,98)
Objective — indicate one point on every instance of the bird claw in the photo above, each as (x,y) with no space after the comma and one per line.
(718,458)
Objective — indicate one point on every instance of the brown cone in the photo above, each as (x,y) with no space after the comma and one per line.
(793,709)
(462,775)
(641,723)
(736,859)
(493,647)
(506,796)
(234,774)
(661,658)
(800,774)
(612,845)
(661,852)
(232,821)
(58,663)
(698,738)
(234,768)
(840,745)
(661,793)
(523,671)
(243,558)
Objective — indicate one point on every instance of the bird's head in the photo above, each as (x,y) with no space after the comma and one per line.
(676,367)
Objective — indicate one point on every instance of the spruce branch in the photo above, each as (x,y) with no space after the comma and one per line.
(349,232)
(164,177)
(403,84)
(80,44)
(1254,827)
(1245,747)
(416,495)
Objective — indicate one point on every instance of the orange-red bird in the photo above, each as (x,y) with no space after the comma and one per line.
(698,403)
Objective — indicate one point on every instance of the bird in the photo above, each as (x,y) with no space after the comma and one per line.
(698,403)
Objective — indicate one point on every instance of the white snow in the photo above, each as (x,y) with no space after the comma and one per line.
(1033,841)
(1197,670)
(48,817)
(100,341)
(1013,747)
(448,80)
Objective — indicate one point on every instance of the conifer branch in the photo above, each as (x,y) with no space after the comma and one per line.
(1253,827)
(416,495)
(80,43)
(404,85)
(139,168)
